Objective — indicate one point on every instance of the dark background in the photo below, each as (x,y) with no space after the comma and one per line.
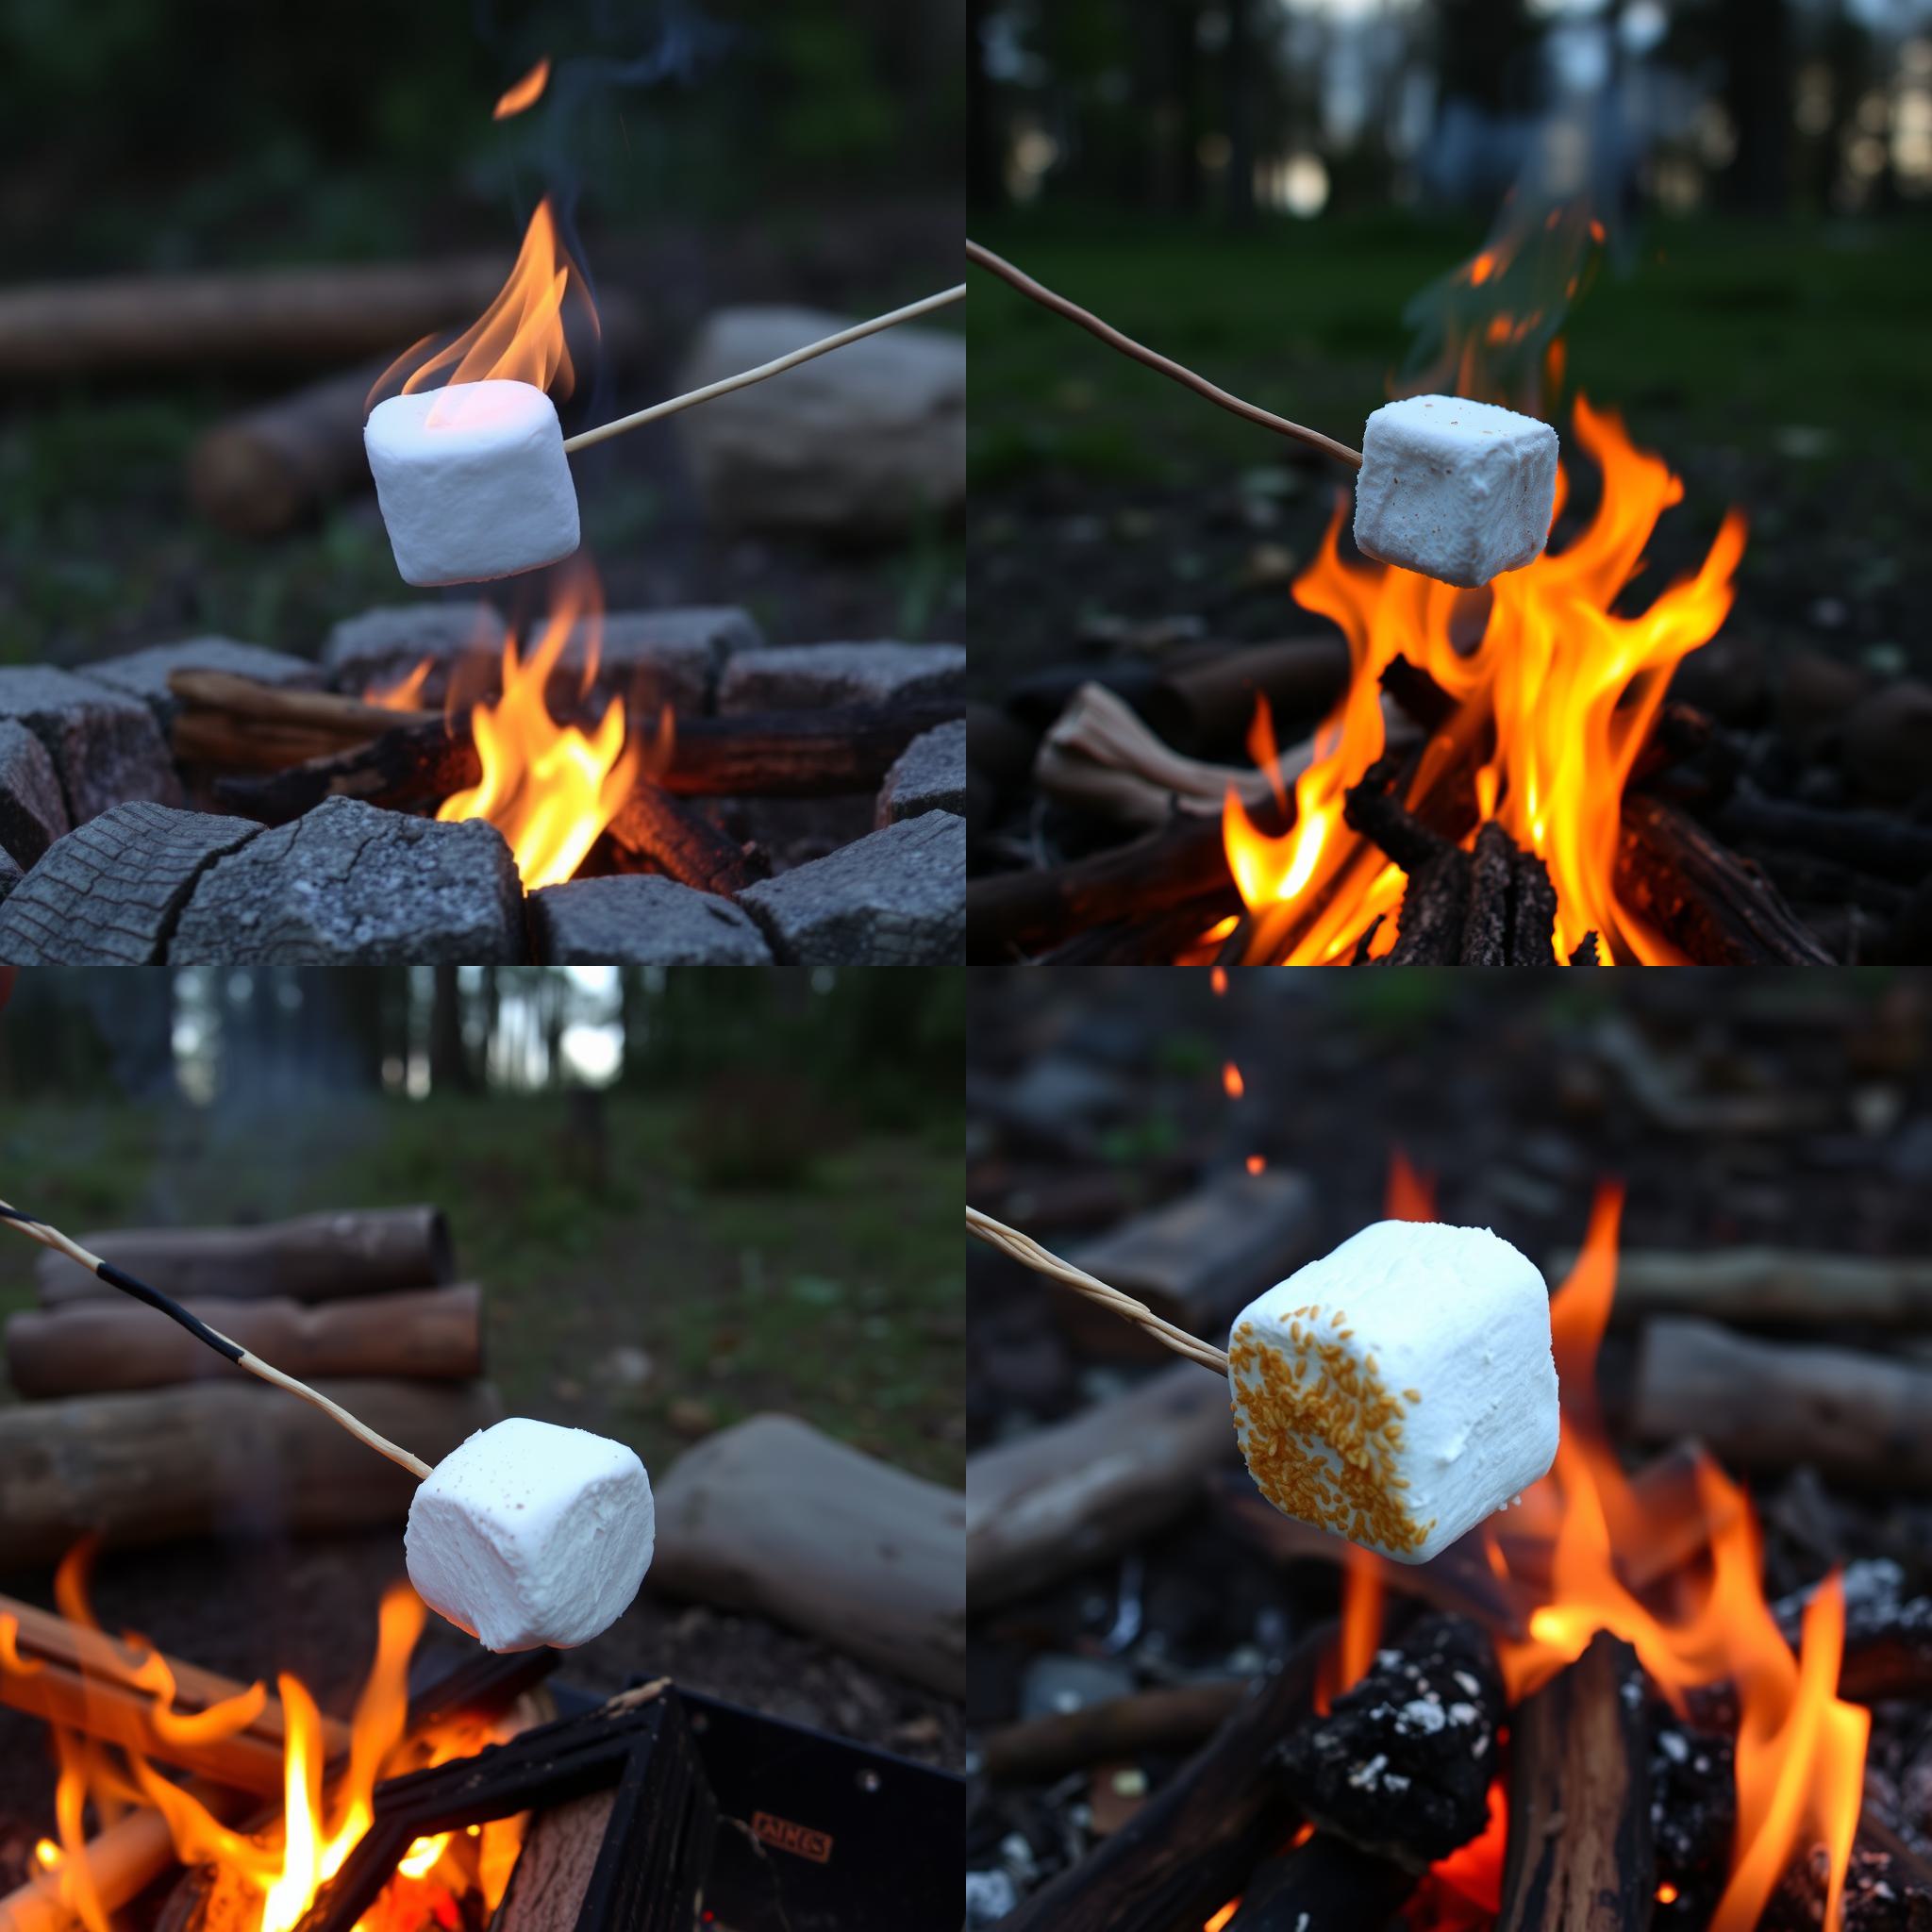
(809,153)
(1261,187)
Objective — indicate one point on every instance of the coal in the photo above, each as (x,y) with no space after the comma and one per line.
(144,673)
(32,812)
(897,898)
(1694,1811)
(349,884)
(929,776)
(109,892)
(105,745)
(811,678)
(641,920)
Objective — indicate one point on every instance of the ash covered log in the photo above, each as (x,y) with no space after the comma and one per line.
(1887,1888)
(1761,1405)
(1075,1493)
(1326,1885)
(1716,907)
(1580,1854)
(653,827)
(95,1347)
(1888,1640)
(1170,1717)
(219,1457)
(1190,1848)
(1401,1766)
(1776,1286)
(315,1258)
(1693,1805)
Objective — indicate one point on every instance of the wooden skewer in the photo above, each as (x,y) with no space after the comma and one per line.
(1039,293)
(115,1278)
(585,438)
(1029,1253)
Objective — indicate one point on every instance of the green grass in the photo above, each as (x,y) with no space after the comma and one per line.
(838,1298)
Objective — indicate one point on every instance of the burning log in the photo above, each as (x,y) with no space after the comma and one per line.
(1169,1718)
(652,828)
(1075,1494)
(775,1517)
(1888,1640)
(1887,1888)
(1401,1767)
(1213,702)
(1580,1854)
(1712,905)
(1778,1287)
(89,1347)
(176,1463)
(317,1258)
(1759,1405)
(1326,1885)
(1188,1851)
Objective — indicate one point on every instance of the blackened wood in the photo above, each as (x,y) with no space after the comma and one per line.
(1532,914)
(1693,1809)
(1679,731)
(89,1347)
(1374,808)
(1402,1765)
(1435,908)
(1326,1885)
(1908,941)
(1580,1854)
(1863,1419)
(1808,880)
(1011,915)
(1887,1887)
(315,1258)
(1153,941)
(1882,842)
(1211,703)
(1493,873)
(1888,1637)
(1170,1717)
(682,843)
(408,768)
(1700,895)
(1188,1851)
(1424,701)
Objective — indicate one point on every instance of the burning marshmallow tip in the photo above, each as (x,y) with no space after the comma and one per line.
(1456,489)
(1399,1390)
(473,481)
(530,1534)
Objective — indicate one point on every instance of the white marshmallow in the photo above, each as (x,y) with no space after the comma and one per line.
(473,481)
(1458,490)
(1399,1390)
(530,1534)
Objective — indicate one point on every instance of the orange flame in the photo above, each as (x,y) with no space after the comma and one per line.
(524,93)
(405,694)
(1231,1082)
(1258,1163)
(549,788)
(1570,691)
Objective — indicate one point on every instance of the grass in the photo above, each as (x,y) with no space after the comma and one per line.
(838,1298)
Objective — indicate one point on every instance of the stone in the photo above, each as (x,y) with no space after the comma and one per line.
(929,776)
(350,884)
(639,919)
(10,876)
(110,891)
(105,745)
(32,812)
(814,677)
(895,898)
(867,442)
(384,645)
(144,673)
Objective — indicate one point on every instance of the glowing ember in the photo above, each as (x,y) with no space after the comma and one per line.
(1231,1082)
(1568,688)
(524,93)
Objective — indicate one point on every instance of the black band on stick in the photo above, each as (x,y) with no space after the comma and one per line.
(115,1278)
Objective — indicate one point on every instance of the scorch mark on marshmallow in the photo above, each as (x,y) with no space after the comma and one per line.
(530,1534)
(1399,1390)
(1456,490)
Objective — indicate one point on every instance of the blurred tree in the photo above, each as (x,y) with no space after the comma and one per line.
(1758,92)
(450,1067)
(1480,49)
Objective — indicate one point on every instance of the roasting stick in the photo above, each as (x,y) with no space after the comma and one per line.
(585,438)
(115,1278)
(1029,1253)
(1039,293)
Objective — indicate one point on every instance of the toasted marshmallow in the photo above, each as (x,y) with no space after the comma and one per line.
(530,1534)
(1399,1390)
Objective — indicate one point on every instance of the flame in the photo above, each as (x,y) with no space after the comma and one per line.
(1218,981)
(1410,1194)
(1222,1916)
(550,788)
(520,337)
(405,694)
(269,1879)
(1463,1892)
(524,93)
(1231,1082)
(1568,688)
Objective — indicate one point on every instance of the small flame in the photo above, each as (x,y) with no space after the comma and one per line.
(524,94)
(405,694)
(1410,1194)
(1463,1892)
(1231,1082)
(1218,981)
(1222,1916)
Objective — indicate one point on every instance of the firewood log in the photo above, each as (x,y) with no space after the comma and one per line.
(553,1869)
(1171,1718)
(652,828)
(1326,1885)
(775,1517)
(1774,1287)
(1580,1854)
(1211,704)
(1069,1496)
(1190,1849)
(94,1348)
(317,1258)
(178,1462)
(1759,1405)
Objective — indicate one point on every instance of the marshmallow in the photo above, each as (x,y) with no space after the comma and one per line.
(473,481)
(530,1534)
(1458,490)
(1399,1390)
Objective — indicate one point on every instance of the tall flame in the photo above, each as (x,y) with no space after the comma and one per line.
(1568,689)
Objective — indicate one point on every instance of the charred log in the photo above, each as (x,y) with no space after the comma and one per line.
(653,828)
(1865,843)
(1887,1888)
(1171,1718)
(1326,1885)
(1693,1812)
(1888,1640)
